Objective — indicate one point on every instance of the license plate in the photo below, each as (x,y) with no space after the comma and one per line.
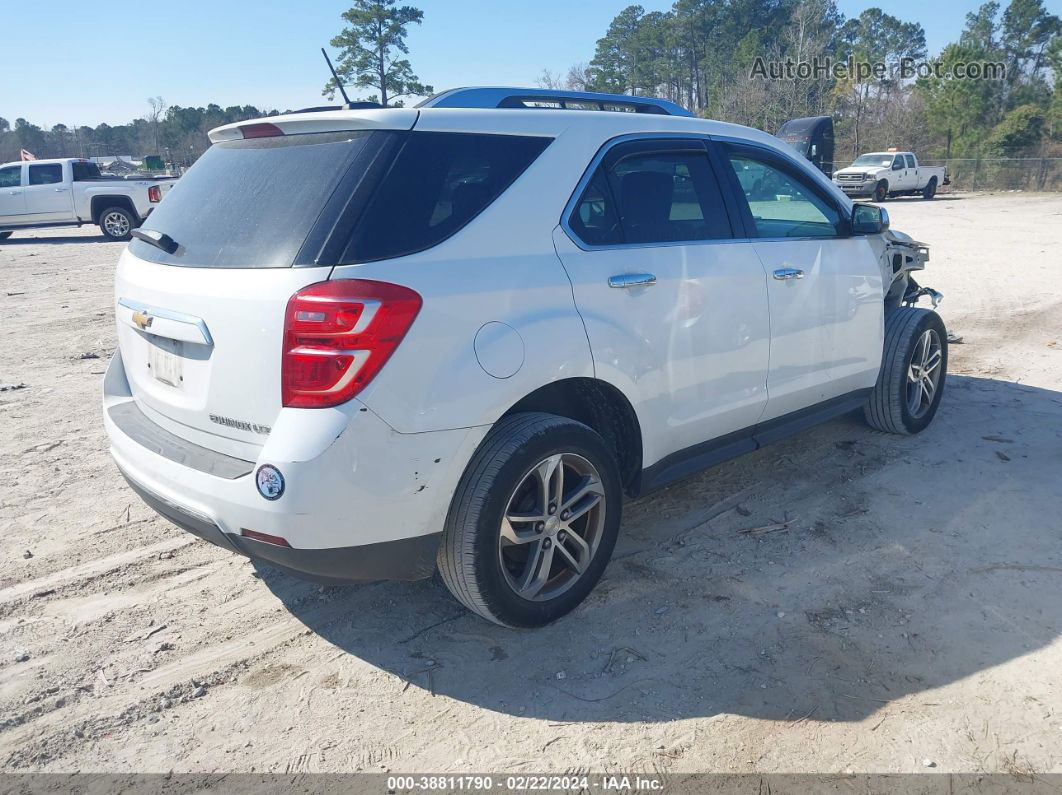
(166,360)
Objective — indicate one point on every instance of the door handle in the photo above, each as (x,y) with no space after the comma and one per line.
(60,190)
(631,280)
(784,274)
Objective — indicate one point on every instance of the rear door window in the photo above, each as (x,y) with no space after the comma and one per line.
(910,160)
(652,192)
(437,184)
(46,174)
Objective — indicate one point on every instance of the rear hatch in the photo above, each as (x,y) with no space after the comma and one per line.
(201,314)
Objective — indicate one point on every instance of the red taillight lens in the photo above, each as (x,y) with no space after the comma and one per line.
(154,193)
(337,336)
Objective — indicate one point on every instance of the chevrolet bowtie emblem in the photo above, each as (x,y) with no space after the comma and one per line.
(142,319)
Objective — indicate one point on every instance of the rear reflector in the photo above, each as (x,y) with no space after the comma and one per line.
(338,335)
(265,538)
(260,130)
(154,193)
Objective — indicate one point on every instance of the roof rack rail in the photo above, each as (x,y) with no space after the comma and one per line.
(498,97)
(347,106)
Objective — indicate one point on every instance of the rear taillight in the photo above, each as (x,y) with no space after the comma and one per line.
(337,336)
(154,193)
(259,130)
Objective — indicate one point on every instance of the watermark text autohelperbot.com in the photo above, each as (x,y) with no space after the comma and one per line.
(861,71)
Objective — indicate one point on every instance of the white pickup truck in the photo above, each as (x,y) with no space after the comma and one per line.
(72,192)
(884,174)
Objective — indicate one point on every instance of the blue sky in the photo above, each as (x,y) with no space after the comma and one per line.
(67,64)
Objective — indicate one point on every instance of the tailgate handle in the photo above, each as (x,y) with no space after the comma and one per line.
(163,322)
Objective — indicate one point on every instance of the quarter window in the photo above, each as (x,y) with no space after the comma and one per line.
(782,204)
(437,184)
(10,176)
(47,174)
(652,195)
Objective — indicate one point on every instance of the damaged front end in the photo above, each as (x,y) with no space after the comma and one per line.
(900,256)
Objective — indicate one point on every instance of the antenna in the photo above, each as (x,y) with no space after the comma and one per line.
(339,85)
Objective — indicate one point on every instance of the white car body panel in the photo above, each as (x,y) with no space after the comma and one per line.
(690,352)
(826,327)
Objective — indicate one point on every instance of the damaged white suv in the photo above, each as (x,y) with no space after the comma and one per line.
(361,344)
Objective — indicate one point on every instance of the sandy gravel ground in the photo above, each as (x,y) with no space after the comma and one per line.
(907,615)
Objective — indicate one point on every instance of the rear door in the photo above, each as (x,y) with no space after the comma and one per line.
(200,329)
(675,308)
(12,198)
(47,195)
(914,178)
(824,286)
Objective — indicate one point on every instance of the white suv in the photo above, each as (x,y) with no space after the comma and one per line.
(363,344)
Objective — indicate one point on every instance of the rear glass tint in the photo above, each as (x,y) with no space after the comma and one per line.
(437,184)
(251,203)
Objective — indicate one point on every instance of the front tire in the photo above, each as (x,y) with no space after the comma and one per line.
(533,522)
(881,191)
(117,223)
(914,367)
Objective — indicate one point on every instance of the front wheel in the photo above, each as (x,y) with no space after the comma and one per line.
(117,223)
(881,191)
(913,369)
(533,522)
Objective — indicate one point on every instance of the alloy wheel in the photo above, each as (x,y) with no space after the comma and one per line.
(923,374)
(116,224)
(552,527)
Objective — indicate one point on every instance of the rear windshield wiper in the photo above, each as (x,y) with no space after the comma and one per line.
(156,239)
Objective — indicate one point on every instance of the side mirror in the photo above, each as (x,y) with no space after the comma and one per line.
(867,219)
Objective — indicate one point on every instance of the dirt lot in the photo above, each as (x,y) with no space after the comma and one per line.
(907,616)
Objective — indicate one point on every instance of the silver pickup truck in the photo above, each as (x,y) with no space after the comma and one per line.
(881,175)
(72,192)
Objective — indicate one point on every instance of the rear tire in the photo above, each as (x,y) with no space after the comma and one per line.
(117,223)
(930,190)
(914,367)
(881,191)
(529,572)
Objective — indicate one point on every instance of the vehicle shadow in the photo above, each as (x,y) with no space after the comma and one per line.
(823,577)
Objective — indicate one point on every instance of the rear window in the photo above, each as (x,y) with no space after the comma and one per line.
(437,184)
(84,172)
(328,198)
(251,203)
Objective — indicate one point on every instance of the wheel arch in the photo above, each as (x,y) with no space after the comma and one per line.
(101,203)
(601,406)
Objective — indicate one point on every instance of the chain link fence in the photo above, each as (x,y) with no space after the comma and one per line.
(1002,173)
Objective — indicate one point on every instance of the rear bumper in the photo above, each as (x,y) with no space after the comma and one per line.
(369,506)
(403,559)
